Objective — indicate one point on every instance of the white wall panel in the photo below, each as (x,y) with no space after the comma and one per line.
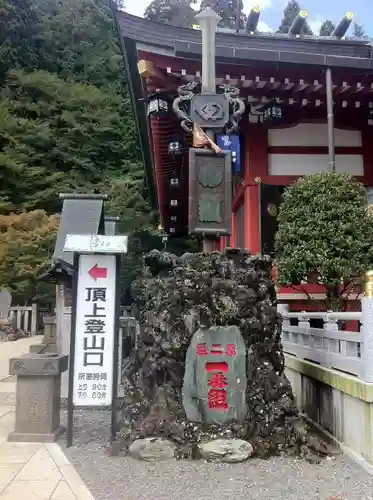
(293,164)
(312,135)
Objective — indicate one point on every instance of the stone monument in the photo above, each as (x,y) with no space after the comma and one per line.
(8,328)
(208,366)
(5,302)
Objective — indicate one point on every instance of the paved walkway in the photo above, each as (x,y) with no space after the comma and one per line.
(34,471)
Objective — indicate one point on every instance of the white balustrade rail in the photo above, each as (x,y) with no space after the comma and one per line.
(347,351)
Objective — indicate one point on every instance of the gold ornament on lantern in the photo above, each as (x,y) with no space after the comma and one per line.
(272,210)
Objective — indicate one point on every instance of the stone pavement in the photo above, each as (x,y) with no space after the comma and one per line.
(33,470)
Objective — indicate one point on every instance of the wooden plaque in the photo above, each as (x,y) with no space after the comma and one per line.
(210,192)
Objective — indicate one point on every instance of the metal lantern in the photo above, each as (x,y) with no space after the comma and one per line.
(175,148)
(158,104)
(273,113)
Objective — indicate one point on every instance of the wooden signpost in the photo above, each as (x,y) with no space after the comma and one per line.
(93,363)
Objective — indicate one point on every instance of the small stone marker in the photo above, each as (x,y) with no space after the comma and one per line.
(5,302)
(38,396)
(214,385)
(226,450)
(152,449)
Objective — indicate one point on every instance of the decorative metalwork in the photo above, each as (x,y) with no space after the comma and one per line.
(209,177)
(236,107)
(181,104)
(272,210)
(210,192)
(209,209)
(208,110)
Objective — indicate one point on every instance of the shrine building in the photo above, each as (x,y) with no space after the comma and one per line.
(287,129)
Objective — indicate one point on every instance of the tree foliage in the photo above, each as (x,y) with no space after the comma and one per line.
(327,28)
(291,11)
(18,35)
(66,120)
(88,51)
(69,124)
(227,10)
(57,136)
(325,234)
(358,31)
(176,12)
(26,246)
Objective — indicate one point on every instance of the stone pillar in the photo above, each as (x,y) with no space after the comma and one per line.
(49,344)
(38,396)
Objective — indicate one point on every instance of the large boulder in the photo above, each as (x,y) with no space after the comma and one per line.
(226,450)
(152,449)
(213,293)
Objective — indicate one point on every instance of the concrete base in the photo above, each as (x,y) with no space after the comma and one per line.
(43,348)
(24,437)
(339,404)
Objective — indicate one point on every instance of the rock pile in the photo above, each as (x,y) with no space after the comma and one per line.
(8,332)
(175,297)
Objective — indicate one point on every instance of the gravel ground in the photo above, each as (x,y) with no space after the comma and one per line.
(118,478)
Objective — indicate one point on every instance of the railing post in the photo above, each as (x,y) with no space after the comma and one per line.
(303,338)
(34,319)
(18,318)
(367,329)
(283,309)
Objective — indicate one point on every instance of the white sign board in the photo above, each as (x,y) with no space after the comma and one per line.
(95,243)
(95,330)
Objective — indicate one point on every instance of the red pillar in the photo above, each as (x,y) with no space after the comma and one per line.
(256,168)
(233,236)
(223,243)
(251,204)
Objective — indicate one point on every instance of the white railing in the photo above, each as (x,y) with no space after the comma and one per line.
(25,318)
(347,351)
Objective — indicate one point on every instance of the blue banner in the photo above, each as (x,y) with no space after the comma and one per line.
(231,143)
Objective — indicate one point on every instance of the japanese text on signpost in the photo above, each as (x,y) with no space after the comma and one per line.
(95,331)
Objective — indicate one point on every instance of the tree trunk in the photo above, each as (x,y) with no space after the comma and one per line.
(333,298)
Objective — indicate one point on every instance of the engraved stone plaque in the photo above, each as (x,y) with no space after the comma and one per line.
(209,110)
(214,388)
(210,192)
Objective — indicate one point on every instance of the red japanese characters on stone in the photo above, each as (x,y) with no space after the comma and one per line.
(231,350)
(216,366)
(217,350)
(218,381)
(217,399)
(201,350)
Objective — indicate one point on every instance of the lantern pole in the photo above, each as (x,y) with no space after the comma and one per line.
(330,111)
(208,21)
(238,16)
